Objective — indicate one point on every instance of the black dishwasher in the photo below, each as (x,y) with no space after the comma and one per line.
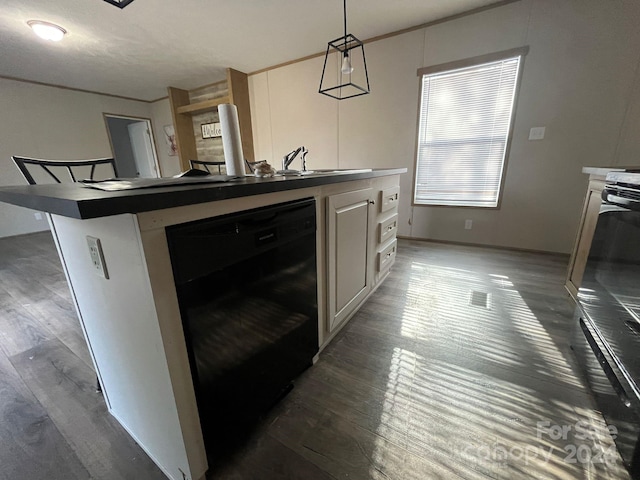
(247,290)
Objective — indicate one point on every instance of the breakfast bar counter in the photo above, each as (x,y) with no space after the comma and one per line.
(76,200)
(115,253)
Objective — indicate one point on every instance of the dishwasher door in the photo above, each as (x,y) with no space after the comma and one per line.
(247,289)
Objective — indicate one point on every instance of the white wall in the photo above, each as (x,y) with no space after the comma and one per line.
(628,148)
(287,112)
(48,122)
(580,80)
(161,116)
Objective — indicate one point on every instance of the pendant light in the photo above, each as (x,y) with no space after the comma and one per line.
(345,62)
(119,3)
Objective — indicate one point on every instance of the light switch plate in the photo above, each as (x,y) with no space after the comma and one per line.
(97,257)
(537,133)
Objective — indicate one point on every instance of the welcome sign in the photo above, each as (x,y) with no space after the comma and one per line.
(211,130)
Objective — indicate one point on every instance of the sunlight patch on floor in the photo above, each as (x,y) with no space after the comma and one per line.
(472,425)
(501,424)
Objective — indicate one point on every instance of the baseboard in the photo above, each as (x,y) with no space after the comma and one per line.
(483,245)
(27,234)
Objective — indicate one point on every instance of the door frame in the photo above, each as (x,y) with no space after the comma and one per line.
(106,115)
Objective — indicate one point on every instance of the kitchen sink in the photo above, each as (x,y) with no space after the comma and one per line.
(298,173)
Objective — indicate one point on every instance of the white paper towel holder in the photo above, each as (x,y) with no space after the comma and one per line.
(231,140)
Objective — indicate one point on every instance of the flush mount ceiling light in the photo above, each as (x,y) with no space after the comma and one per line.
(46,30)
(119,3)
(345,62)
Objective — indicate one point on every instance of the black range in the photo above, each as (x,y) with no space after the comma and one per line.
(607,334)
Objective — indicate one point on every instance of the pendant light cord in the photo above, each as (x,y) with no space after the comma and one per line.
(345,21)
(346,53)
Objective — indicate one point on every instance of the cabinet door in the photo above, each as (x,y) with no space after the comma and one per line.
(348,256)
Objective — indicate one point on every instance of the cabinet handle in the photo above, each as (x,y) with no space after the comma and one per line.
(372,202)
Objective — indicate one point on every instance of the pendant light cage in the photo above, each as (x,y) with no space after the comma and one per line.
(119,3)
(344,74)
(338,84)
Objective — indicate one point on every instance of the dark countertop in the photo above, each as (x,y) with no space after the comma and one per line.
(76,201)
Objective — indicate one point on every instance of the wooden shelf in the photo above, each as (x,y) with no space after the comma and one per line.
(200,107)
(182,112)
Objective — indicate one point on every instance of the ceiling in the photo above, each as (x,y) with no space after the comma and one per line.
(140,50)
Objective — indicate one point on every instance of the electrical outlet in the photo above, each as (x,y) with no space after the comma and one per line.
(97,257)
(38,215)
(537,133)
(468,224)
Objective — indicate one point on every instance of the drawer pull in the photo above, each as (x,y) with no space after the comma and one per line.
(386,256)
(389,198)
(388,229)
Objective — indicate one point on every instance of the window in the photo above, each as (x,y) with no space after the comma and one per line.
(464,124)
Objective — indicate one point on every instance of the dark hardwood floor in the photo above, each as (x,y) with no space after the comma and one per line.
(459,366)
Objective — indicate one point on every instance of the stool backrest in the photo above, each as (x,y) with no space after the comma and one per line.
(56,168)
(206,165)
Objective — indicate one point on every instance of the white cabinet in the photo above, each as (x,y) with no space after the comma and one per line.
(360,231)
(349,278)
(387,228)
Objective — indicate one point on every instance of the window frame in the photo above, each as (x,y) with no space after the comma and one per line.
(465,63)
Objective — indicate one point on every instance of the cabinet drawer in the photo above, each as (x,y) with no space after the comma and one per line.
(389,198)
(388,229)
(387,256)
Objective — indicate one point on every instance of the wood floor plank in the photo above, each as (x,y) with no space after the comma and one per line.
(60,318)
(31,447)
(502,359)
(420,410)
(39,243)
(58,284)
(270,459)
(65,386)
(26,286)
(19,331)
(39,287)
(347,451)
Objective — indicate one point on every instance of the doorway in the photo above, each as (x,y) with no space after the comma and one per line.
(133,146)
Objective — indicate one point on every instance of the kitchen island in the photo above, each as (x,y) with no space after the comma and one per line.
(131,317)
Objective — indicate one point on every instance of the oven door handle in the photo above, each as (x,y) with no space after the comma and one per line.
(608,371)
(624,197)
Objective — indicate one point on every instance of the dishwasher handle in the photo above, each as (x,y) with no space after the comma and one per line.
(266,236)
(202,247)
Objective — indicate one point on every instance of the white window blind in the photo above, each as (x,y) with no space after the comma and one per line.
(465,117)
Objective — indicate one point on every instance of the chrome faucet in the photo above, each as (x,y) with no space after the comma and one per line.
(290,157)
(304,158)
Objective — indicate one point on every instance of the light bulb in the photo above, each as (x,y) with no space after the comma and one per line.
(347,68)
(47,30)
